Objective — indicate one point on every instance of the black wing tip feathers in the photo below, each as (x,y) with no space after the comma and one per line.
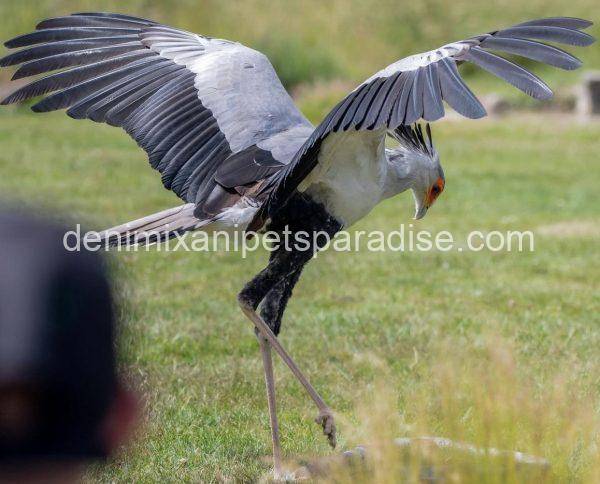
(12,43)
(20,73)
(12,98)
(577,64)
(38,108)
(481,113)
(586,24)
(105,80)
(46,24)
(5,61)
(574,64)
(586,40)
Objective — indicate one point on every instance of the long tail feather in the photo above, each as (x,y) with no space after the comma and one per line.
(157,227)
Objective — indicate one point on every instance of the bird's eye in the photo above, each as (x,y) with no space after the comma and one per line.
(435,189)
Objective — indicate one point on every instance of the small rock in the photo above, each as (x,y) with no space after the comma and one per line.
(588,95)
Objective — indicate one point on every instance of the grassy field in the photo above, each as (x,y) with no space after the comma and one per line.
(497,349)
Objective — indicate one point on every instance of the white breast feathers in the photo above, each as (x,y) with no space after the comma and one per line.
(349,178)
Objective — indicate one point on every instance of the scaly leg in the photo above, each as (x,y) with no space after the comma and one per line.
(325,417)
(265,350)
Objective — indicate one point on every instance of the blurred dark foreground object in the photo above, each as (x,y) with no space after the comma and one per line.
(60,399)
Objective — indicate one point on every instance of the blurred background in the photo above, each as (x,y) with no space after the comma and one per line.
(498,349)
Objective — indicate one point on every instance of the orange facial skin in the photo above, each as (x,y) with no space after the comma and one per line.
(435,190)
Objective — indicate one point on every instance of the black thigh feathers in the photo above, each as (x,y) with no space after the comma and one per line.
(274,284)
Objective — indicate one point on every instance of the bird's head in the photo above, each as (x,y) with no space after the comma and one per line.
(420,162)
(428,186)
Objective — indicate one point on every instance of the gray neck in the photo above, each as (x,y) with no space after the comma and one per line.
(399,174)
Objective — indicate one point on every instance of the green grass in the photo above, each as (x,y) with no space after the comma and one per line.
(356,318)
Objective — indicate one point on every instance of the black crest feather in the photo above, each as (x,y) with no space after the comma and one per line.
(412,137)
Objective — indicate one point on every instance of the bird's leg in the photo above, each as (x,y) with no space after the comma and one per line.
(325,417)
(265,350)
(272,310)
(283,267)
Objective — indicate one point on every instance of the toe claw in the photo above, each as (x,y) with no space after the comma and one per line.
(325,420)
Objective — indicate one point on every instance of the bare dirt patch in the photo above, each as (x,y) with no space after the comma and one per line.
(571,229)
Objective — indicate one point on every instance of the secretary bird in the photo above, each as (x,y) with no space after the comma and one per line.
(227,138)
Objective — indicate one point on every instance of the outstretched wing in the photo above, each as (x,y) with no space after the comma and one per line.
(414,87)
(190,102)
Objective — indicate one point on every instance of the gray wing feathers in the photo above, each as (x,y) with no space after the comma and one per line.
(566,22)
(349,114)
(517,76)
(69,33)
(92,20)
(71,59)
(456,93)
(399,106)
(433,107)
(544,53)
(553,34)
(78,76)
(381,104)
(431,77)
(65,46)
(414,108)
(366,103)
(91,105)
(188,101)
(245,95)
(118,105)
(415,87)
(78,89)
(337,114)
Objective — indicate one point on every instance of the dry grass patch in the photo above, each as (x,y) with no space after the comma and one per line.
(571,229)
(490,411)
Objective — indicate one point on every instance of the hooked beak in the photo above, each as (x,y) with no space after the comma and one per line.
(420,212)
(421,204)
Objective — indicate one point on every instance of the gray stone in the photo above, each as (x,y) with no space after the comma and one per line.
(588,96)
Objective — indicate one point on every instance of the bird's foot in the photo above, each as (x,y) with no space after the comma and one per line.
(325,420)
(286,476)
